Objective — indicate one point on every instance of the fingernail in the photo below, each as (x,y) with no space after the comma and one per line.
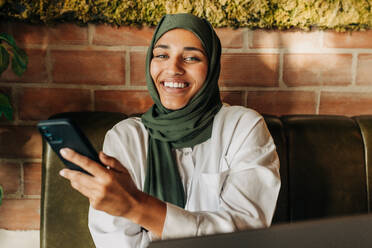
(62,172)
(64,151)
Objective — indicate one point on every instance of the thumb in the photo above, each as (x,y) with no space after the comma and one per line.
(112,162)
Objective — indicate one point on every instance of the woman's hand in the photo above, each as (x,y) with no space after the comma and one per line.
(112,190)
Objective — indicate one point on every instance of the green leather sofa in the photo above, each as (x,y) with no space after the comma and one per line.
(326,171)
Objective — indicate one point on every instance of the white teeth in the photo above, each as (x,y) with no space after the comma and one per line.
(174,85)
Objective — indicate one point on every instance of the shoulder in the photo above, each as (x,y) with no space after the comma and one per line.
(233,116)
(240,130)
(235,125)
(130,130)
(129,125)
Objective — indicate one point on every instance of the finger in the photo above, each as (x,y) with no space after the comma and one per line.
(84,162)
(111,162)
(81,182)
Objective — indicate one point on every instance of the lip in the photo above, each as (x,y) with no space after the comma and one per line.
(174,90)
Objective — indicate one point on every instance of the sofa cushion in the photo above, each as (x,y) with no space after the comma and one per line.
(327,174)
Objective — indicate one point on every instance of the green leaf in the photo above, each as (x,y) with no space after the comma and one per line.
(8,38)
(19,61)
(4,59)
(19,57)
(5,107)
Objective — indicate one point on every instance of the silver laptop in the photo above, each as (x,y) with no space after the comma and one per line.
(340,232)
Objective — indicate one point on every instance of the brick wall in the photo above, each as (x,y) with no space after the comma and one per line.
(76,68)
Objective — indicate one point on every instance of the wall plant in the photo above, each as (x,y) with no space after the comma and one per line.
(270,14)
(10,54)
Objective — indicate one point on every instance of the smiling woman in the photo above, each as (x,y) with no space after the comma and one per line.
(179,67)
(190,165)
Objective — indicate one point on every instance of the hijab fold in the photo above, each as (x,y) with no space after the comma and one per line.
(186,127)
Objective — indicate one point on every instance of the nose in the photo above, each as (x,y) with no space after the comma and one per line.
(175,66)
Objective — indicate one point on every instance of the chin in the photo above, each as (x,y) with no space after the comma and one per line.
(174,106)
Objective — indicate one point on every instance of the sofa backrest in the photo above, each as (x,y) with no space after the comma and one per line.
(325,170)
(64,211)
(326,166)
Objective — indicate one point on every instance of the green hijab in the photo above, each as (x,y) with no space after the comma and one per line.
(184,127)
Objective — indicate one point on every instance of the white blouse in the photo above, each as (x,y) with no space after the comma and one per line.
(231,181)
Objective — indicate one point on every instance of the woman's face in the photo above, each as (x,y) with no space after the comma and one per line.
(178,68)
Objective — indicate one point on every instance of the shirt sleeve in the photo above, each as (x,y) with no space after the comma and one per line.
(115,232)
(112,231)
(248,197)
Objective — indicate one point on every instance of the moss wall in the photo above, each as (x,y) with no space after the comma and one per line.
(270,14)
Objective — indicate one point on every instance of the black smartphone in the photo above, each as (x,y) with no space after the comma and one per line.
(60,133)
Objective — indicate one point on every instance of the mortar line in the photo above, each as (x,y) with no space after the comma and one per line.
(281,82)
(22,185)
(92,100)
(247,37)
(354,68)
(317,101)
(91,31)
(48,65)
(127,68)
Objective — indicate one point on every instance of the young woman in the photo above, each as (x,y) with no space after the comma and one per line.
(190,165)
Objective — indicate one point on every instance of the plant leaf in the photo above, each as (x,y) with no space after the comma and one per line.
(4,59)
(19,61)
(5,107)
(8,38)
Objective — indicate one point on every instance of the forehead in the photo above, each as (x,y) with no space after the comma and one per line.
(180,37)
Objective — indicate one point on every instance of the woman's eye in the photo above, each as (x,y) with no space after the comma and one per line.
(192,59)
(161,56)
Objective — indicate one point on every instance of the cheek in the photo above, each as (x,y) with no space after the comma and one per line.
(153,70)
(202,74)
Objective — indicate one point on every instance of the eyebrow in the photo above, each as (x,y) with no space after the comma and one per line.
(185,48)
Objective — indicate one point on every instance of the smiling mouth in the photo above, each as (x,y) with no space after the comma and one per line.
(175,85)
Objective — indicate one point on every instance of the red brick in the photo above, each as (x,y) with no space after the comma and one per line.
(355,39)
(10,176)
(282,102)
(32,178)
(364,72)
(68,33)
(249,69)
(30,34)
(128,102)
(125,35)
(20,214)
(232,97)
(36,69)
(64,33)
(88,67)
(230,38)
(286,39)
(317,69)
(138,68)
(20,142)
(41,103)
(345,103)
